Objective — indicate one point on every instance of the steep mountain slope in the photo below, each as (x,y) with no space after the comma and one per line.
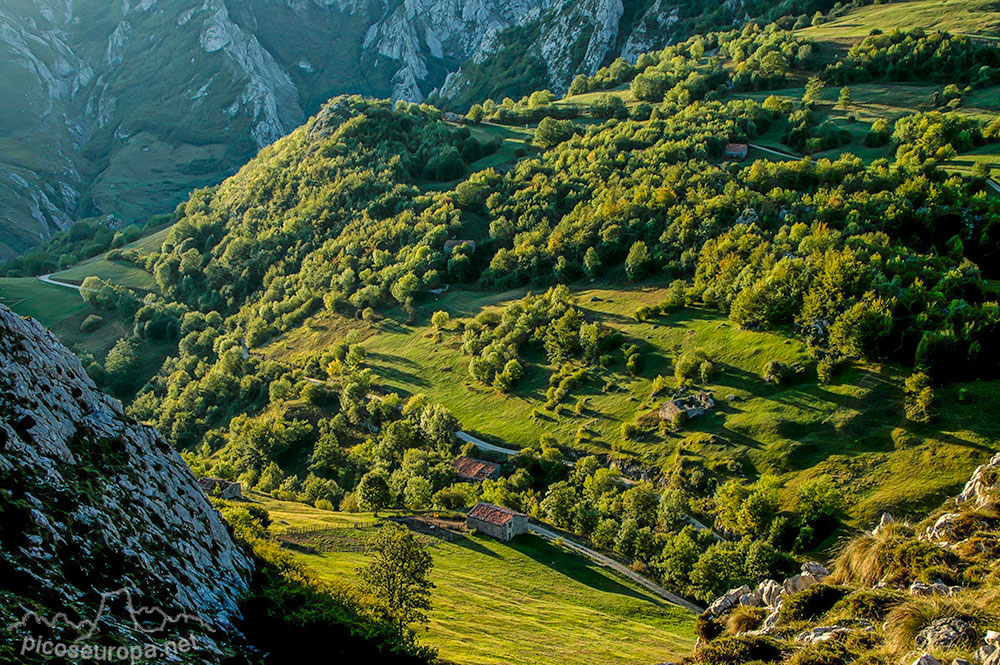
(92,503)
(123,108)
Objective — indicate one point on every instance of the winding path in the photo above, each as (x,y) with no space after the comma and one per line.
(775,152)
(617,566)
(48,280)
(482,445)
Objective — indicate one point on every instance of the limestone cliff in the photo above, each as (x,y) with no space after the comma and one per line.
(95,503)
(122,110)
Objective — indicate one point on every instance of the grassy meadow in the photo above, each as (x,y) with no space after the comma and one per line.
(852,429)
(968,17)
(523,602)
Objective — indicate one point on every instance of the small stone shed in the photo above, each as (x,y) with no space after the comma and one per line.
(475,470)
(497,521)
(692,405)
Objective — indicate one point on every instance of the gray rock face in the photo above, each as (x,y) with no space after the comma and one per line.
(926,659)
(982,484)
(770,593)
(944,633)
(165,96)
(97,502)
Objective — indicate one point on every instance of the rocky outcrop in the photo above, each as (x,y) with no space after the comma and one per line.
(982,486)
(769,593)
(944,633)
(98,508)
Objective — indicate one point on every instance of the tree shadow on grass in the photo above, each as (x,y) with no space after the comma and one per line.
(573,566)
(390,373)
(473,546)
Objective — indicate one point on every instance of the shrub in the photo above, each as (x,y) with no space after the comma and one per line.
(91,323)
(871,604)
(902,438)
(894,557)
(745,618)
(707,628)
(740,649)
(906,620)
(811,603)
(349,504)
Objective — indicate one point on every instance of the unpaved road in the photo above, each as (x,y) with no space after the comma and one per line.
(617,566)
(48,280)
(482,445)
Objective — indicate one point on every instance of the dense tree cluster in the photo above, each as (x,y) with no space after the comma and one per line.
(85,239)
(914,55)
(549,322)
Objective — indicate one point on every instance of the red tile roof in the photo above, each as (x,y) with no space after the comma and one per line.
(498,515)
(474,469)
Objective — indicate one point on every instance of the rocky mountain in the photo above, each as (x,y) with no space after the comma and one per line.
(120,109)
(105,536)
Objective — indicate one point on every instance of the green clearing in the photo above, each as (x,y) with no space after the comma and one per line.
(796,432)
(525,602)
(45,302)
(61,310)
(117,272)
(972,17)
(112,271)
(149,175)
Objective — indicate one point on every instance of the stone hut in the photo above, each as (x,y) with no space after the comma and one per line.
(737,151)
(497,521)
(692,405)
(474,470)
(451,245)
(221,488)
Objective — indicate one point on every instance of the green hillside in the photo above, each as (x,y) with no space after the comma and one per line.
(522,602)
(330,324)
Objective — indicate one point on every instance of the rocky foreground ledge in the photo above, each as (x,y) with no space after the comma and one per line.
(923,593)
(104,531)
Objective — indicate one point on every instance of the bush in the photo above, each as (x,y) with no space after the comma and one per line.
(871,604)
(812,603)
(707,628)
(745,618)
(906,620)
(349,504)
(894,556)
(91,323)
(740,649)
(902,438)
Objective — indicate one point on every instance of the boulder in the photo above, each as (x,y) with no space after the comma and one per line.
(935,589)
(770,593)
(961,661)
(926,659)
(944,633)
(821,634)
(993,658)
(982,483)
(992,637)
(943,530)
(816,569)
(984,652)
(886,520)
(728,600)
